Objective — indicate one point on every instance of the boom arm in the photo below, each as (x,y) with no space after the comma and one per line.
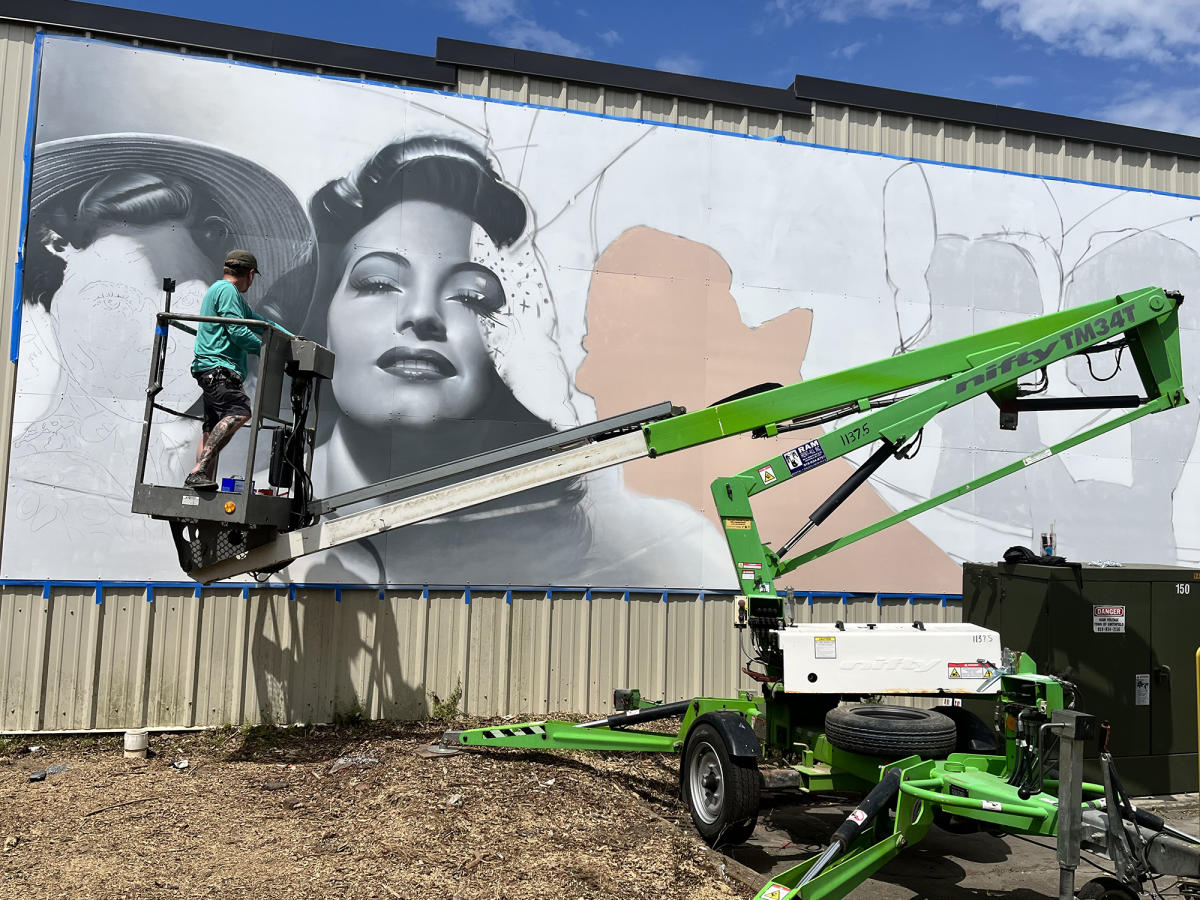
(991,362)
(935,378)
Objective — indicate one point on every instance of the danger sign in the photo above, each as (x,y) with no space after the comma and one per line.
(1108,619)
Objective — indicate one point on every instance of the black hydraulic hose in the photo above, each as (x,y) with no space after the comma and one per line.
(875,802)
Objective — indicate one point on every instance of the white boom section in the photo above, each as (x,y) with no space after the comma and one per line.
(438,502)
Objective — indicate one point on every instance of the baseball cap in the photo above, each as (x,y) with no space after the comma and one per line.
(241,259)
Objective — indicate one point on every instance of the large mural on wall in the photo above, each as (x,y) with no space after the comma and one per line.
(488,272)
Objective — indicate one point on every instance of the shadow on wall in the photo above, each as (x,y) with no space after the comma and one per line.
(321,656)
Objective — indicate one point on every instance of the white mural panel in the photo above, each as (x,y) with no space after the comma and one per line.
(488,272)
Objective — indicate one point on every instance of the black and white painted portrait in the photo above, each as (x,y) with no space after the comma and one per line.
(445,248)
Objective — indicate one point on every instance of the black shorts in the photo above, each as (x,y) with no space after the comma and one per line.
(223,396)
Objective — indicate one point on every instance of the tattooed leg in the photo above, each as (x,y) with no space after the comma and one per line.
(214,442)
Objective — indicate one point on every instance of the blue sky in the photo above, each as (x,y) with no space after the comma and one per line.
(1135,62)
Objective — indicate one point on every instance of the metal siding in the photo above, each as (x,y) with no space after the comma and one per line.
(658,109)
(959,143)
(1077,161)
(546,92)
(1161,172)
(765,124)
(1048,155)
(124,651)
(989,143)
(1105,164)
(447,639)
(221,659)
(927,139)
(24,615)
(895,134)
(829,125)
(568,652)
(693,114)
(685,633)
(16,81)
(586,97)
(70,658)
(863,130)
(405,627)
(649,655)
(502,86)
(486,690)
(1132,171)
(798,128)
(530,659)
(1018,151)
(1187,176)
(625,104)
(729,118)
(608,649)
(472,82)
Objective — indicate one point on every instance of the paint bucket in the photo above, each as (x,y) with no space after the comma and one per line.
(137,743)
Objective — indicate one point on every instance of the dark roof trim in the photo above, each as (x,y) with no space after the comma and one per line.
(628,78)
(211,36)
(443,71)
(972,113)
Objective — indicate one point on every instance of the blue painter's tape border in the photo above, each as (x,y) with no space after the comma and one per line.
(14,337)
(626,594)
(646,122)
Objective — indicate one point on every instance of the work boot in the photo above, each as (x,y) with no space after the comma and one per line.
(199,481)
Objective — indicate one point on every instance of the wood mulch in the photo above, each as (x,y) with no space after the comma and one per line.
(270,813)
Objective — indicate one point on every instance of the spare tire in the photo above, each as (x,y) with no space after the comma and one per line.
(880,729)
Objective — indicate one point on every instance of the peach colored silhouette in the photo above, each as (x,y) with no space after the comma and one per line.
(663,325)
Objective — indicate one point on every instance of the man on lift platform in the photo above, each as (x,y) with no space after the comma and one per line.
(220,363)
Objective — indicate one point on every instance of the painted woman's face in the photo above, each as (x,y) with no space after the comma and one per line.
(404,321)
(104,310)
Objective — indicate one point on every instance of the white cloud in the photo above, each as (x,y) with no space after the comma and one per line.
(1153,30)
(1150,106)
(850,50)
(611,37)
(510,28)
(485,12)
(1007,81)
(792,11)
(679,62)
(525,34)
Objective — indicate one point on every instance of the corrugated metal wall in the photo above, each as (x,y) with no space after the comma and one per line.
(869,130)
(165,657)
(16,79)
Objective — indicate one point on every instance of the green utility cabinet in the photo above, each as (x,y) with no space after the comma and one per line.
(1126,636)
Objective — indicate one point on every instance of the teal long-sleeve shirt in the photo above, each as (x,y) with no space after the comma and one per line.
(224,345)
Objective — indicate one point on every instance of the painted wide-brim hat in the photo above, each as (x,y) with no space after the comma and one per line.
(262,213)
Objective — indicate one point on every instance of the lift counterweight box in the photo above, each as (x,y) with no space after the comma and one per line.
(889,657)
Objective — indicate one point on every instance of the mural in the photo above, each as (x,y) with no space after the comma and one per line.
(489,272)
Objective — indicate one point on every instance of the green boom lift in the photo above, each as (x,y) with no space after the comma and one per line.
(916,766)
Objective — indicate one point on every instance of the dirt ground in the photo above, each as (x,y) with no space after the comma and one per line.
(262,813)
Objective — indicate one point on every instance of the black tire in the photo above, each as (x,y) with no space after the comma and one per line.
(1105,888)
(721,791)
(973,734)
(883,730)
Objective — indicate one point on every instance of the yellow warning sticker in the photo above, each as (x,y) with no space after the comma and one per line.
(767,474)
(774,892)
(736,524)
(824,648)
(972,670)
